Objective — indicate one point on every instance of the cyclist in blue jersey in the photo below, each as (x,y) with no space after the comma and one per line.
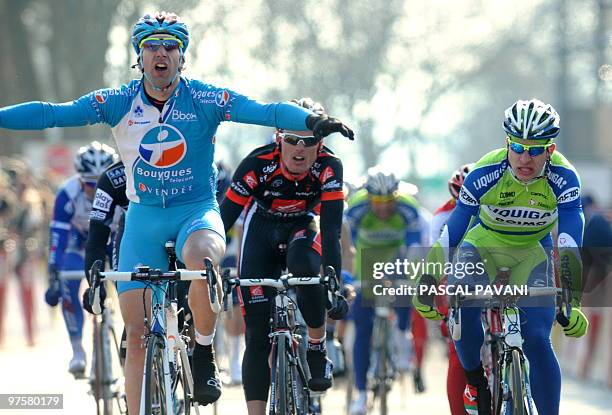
(69,228)
(164,125)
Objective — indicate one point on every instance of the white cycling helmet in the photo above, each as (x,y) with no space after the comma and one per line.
(531,120)
(381,182)
(91,160)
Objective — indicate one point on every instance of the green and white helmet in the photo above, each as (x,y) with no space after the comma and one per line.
(531,120)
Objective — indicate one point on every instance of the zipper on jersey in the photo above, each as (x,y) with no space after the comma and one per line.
(160,122)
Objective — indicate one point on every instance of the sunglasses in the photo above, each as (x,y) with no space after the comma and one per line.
(382,198)
(533,151)
(295,139)
(153,44)
(90,183)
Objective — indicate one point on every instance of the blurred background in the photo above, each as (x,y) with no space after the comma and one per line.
(424,84)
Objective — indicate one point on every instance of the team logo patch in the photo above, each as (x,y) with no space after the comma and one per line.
(288,206)
(102,201)
(100,97)
(327,174)
(222,98)
(162,147)
(250,179)
(256,291)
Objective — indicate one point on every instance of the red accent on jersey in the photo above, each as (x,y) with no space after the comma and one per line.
(288,206)
(338,195)
(327,174)
(250,179)
(236,198)
(316,243)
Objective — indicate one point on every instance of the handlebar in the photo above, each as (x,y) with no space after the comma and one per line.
(328,279)
(146,274)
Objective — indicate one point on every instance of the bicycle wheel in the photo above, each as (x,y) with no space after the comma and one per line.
(98,367)
(278,389)
(517,384)
(297,384)
(497,390)
(184,379)
(383,384)
(115,366)
(155,386)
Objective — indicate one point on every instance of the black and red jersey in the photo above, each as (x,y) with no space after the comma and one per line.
(260,179)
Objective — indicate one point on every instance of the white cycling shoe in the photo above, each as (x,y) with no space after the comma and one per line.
(360,405)
(77,365)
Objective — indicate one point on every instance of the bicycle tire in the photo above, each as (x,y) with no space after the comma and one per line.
(107,369)
(383,384)
(300,396)
(497,390)
(186,379)
(279,394)
(517,384)
(118,394)
(154,393)
(98,366)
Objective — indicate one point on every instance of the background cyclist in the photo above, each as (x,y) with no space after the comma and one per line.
(455,377)
(384,219)
(68,229)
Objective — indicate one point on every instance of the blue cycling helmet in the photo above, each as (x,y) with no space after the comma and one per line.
(531,120)
(160,22)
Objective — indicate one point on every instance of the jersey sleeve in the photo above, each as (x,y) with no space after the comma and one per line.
(565,183)
(63,211)
(228,105)
(244,181)
(102,106)
(105,200)
(354,214)
(331,179)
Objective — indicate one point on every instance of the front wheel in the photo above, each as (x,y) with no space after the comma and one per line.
(278,389)
(517,384)
(154,380)
(497,390)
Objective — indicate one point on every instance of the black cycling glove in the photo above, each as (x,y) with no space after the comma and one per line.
(87,305)
(323,125)
(340,310)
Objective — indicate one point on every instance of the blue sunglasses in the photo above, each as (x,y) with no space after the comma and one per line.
(153,44)
(533,151)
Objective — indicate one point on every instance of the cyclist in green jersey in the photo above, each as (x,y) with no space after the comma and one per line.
(516,194)
(384,221)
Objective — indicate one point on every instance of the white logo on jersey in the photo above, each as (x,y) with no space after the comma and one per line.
(466,197)
(521,216)
(102,200)
(570,194)
(183,116)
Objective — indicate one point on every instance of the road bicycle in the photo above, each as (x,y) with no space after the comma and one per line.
(509,368)
(289,393)
(106,378)
(167,386)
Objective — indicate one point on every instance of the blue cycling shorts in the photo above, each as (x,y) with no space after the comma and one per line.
(147,228)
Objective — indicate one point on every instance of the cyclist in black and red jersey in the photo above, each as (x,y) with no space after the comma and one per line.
(292,193)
